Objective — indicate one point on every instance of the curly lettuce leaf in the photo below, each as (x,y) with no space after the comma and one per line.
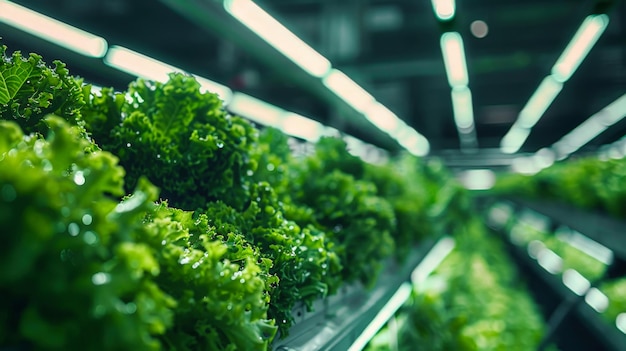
(80,278)
(178,137)
(30,90)
(221,303)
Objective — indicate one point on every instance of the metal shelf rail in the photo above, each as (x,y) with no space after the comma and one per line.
(349,319)
(607,231)
(577,294)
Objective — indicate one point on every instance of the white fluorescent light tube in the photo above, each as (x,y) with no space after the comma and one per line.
(52,30)
(138,64)
(550,261)
(395,302)
(583,134)
(444,9)
(620,322)
(414,142)
(454,59)
(432,260)
(576,282)
(587,35)
(302,127)
(382,117)
(275,34)
(539,102)
(597,300)
(612,113)
(348,90)
(592,127)
(146,67)
(206,85)
(478,179)
(256,110)
(463,109)
(514,139)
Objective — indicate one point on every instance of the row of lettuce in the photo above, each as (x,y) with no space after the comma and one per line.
(475,300)
(152,219)
(528,235)
(586,182)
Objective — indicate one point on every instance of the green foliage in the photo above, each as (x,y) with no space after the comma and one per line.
(78,278)
(588,183)
(221,302)
(300,258)
(357,221)
(573,258)
(178,137)
(403,183)
(472,302)
(30,90)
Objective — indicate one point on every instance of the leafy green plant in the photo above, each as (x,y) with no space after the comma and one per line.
(30,90)
(473,301)
(180,138)
(300,259)
(79,277)
(327,194)
(221,300)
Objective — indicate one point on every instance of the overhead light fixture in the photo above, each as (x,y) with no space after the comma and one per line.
(539,102)
(256,110)
(432,260)
(477,179)
(463,109)
(386,312)
(146,67)
(414,142)
(444,9)
(365,151)
(382,118)
(583,40)
(597,300)
(302,127)
(514,139)
(454,59)
(52,30)
(620,322)
(591,128)
(206,85)
(587,35)
(279,37)
(575,282)
(348,90)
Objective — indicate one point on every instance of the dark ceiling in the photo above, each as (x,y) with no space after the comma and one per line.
(389,47)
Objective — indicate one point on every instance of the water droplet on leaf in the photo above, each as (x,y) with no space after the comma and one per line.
(79,178)
(73,229)
(90,238)
(100,278)
(87,219)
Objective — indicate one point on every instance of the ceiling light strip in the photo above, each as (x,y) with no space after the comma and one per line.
(146,67)
(278,36)
(444,9)
(454,59)
(585,38)
(453,52)
(591,128)
(348,90)
(573,55)
(52,30)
